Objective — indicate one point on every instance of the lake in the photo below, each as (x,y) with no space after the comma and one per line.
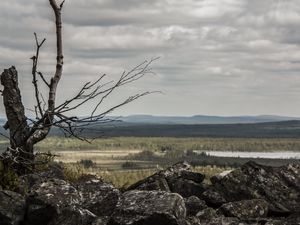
(266,155)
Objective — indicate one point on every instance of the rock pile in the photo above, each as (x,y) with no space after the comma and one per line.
(250,195)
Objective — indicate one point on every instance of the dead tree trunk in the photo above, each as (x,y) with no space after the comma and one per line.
(16,119)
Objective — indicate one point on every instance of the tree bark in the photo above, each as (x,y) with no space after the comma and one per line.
(16,122)
(16,119)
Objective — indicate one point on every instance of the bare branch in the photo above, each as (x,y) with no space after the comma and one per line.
(61,4)
(34,68)
(43,78)
(59,58)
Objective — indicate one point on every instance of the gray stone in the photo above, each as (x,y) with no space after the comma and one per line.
(189,175)
(149,208)
(245,209)
(26,182)
(279,186)
(97,196)
(47,200)
(12,208)
(74,215)
(186,188)
(207,214)
(213,198)
(193,205)
(177,179)
(293,219)
(226,221)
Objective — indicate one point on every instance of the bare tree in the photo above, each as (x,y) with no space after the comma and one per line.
(24,133)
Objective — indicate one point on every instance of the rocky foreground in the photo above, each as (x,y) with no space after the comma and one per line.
(252,194)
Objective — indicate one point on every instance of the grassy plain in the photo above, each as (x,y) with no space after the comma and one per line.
(158,144)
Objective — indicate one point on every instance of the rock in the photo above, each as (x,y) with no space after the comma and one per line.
(74,215)
(293,219)
(214,219)
(207,214)
(12,208)
(216,178)
(158,181)
(245,209)
(101,221)
(188,175)
(153,183)
(226,221)
(149,208)
(176,179)
(97,196)
(26,182)
(54,170)
(47,200)
(213,198)
(192,220)
(279,186)
(186,188)
(193,205)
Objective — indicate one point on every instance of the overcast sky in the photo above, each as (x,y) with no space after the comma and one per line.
(218,57)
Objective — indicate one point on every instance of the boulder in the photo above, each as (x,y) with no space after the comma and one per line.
(12,208)
(47,200)
(213,198)
(226,221)
(279,186)
(218,177)
(153,183)
(193,205)
(245,209)
(186,188)
(207,214)
(177,179)
(101,221)
(26,182)
(192,220)
(293,219)
(97,196)
(74,215)
(189,175)
(149,208)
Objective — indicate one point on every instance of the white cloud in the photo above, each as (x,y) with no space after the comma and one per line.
(213,9)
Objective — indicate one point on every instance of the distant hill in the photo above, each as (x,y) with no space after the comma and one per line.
(197,119)
(285,129)
(202,119)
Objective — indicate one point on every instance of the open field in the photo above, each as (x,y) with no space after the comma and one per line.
(121,153)
(159,144)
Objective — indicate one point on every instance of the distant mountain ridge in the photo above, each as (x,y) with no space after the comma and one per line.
(203,119)
(197,119)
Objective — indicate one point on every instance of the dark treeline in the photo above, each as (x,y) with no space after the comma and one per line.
(288,129)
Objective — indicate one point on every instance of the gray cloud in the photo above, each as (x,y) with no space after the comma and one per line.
(224,57)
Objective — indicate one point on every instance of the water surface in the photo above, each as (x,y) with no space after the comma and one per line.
(265,155)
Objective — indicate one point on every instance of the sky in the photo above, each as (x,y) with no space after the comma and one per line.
(217,57)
